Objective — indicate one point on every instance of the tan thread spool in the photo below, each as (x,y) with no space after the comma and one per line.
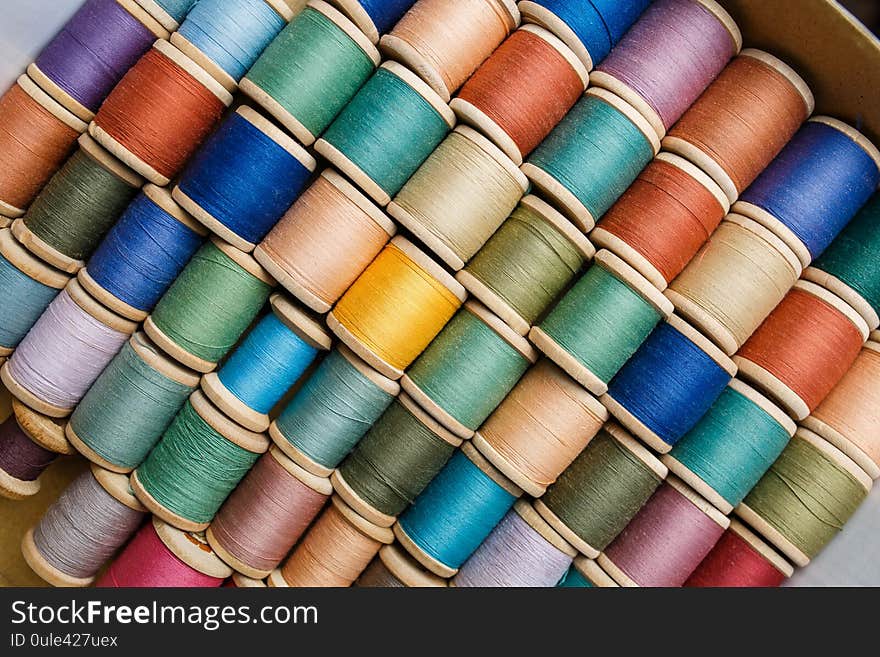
(393,567)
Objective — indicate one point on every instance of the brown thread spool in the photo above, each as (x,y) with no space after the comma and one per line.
(663,219)
(394,568)
(36,136)
(325,241)
(159,113)
(503,99)
(337,548)
(422,38)
(743,120)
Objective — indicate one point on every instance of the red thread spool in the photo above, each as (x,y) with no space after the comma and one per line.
(522,91)
(663,219)
(159,113)
(741,559)
(803,348)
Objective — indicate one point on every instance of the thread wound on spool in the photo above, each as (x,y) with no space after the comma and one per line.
(735,562)
(21,458)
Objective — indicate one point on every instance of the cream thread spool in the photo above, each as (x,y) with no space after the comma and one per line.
(240,581)
(395,561)
(593,573)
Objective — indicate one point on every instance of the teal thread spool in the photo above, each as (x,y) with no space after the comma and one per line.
(196,465)
(730,449)
(129,406)
(335,407)
(311,70)
(586,573)
(592,156)
(387,130)
(468,369)
(601,322)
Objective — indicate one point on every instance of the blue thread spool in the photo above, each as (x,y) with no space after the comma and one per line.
(374,17)
(244,178)
(142,254)
(814,187)
(169,13)
(668,384)
(456,512)
(728,451)
(586,573)
(275,353)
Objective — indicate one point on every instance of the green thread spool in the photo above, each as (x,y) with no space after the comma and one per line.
(77,207)
(601,322)
(311,70)
(206,310)
(129,406)
(195,466)
(468,369)
(601,491)
(394,462)
(527,263)
(806,497)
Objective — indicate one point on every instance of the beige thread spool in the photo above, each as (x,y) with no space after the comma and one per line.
(240,581)
(394,564)
(152,8)
(192,549)
(593,572)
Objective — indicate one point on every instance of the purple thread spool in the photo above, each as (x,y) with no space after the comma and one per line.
(22,461)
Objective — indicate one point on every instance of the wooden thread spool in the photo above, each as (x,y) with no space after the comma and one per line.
(239,581)
(169,13)
(736,279)
(396,307)
(501,98)
(459,196)
(586,573)
(159,113)
(803,348)
(374,17)
(421,39)
(393,567)
(325,241)
(37,136)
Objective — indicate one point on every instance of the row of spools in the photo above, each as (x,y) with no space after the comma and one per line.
(732,132)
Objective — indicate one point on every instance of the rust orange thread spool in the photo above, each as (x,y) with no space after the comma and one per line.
(159,113)
(743,120)
(663,219)
(803,348)
(522,91)
(36,135)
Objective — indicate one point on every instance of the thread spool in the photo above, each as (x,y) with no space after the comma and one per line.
(92,51)
(848,417)
(162,556)
(332,411)
(208,307)
(586,573)
(734,282)
(159,113)
(526,264)
(28,285)
(502,100)
(420,40)
(272,357)
(374,17)
(803,348)
(324,241)
(401,301)
(47,432)
(805,202)
(395,461)
(590,29)
(459,196)
(200,459)
(468,369)
(601,491)
(386,131)
(394,568)
(170,13)
(239,581)
(29,443)
(669,57)
(806,497)
(95,515)
(592,157)
(740,559)
(36,137)
(142,254)
(335,550)
(65,351)
(667,539)
(311,70)
(266,514)
(539,428)
(79,204)
(129,406)
(690,371)
(728,451)
(663,219)
(600,322)
(456,512)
